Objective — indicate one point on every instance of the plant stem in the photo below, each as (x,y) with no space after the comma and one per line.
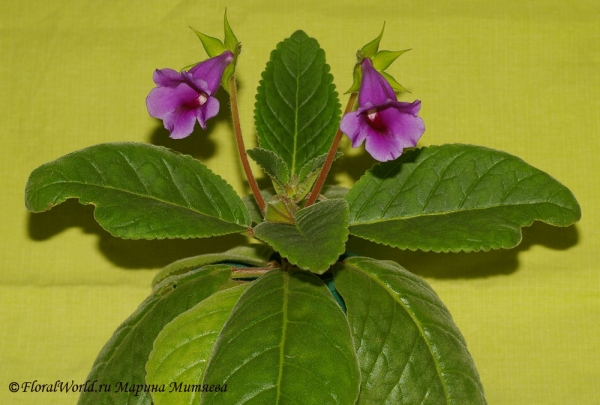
(330,157)
(235,115)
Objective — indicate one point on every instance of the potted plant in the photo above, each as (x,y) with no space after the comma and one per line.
(292,317)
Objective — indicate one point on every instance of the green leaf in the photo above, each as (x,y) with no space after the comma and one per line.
(327,191)
(273,166)
(316,240)
(286,341)
(409,349)
(212,46)
(456,197)
(182,348)
(251,255)
(124,356)
(297,111)
(141,191)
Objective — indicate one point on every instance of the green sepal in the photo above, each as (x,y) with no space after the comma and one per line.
(384,59)
(370,49)
(231,41)
(357,77)
(212,46)
(395,85)
(232,44)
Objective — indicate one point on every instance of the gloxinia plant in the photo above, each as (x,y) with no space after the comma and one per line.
(292,317)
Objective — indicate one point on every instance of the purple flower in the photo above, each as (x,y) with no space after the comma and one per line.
(385,124)
(182,98)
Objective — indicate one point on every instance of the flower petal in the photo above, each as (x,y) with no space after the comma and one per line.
(374,88)
(207,111)
(403,122)
(180,122)
(352,125)
(167,77)
(211,70)
(163,100)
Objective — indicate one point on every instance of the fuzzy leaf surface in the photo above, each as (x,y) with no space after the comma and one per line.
(286,341)
(328,191)
(251,255)
(297,111)
(141,192)
(317,238)
(183,347)
(456,197)
(409,349)
(124,356)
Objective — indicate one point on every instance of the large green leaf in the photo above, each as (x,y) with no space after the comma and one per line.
(409,349)
(182,348)
(297,110)
(251,255)
(124,356)
(456,197)
(286,342)
(317,238)
(141,191)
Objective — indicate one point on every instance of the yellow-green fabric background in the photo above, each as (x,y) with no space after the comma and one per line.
(520,76)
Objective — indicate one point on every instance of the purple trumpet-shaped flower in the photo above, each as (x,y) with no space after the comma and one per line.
(182,98)
(385,124)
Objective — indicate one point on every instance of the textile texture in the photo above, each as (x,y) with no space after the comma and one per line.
(516,76)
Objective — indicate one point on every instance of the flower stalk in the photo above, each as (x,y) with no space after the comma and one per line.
(314,194)
(232,88)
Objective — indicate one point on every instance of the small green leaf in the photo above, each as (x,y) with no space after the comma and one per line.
(317,238)
(141,192)
(281,210)
(456,197)
(297,111)
(212,46)
(286,341)
(328,191)
(251,255)
(273,166)
(314,166)
(182,348)
(124,356)
(409,349)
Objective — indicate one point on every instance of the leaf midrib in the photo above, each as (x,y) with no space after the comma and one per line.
(420,215)
(283,334)
(125,191)
(412,316)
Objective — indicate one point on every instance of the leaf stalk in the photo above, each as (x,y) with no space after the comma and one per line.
(314,194)
(240,143)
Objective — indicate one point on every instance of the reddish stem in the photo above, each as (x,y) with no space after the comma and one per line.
(235,115)
(314,194)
